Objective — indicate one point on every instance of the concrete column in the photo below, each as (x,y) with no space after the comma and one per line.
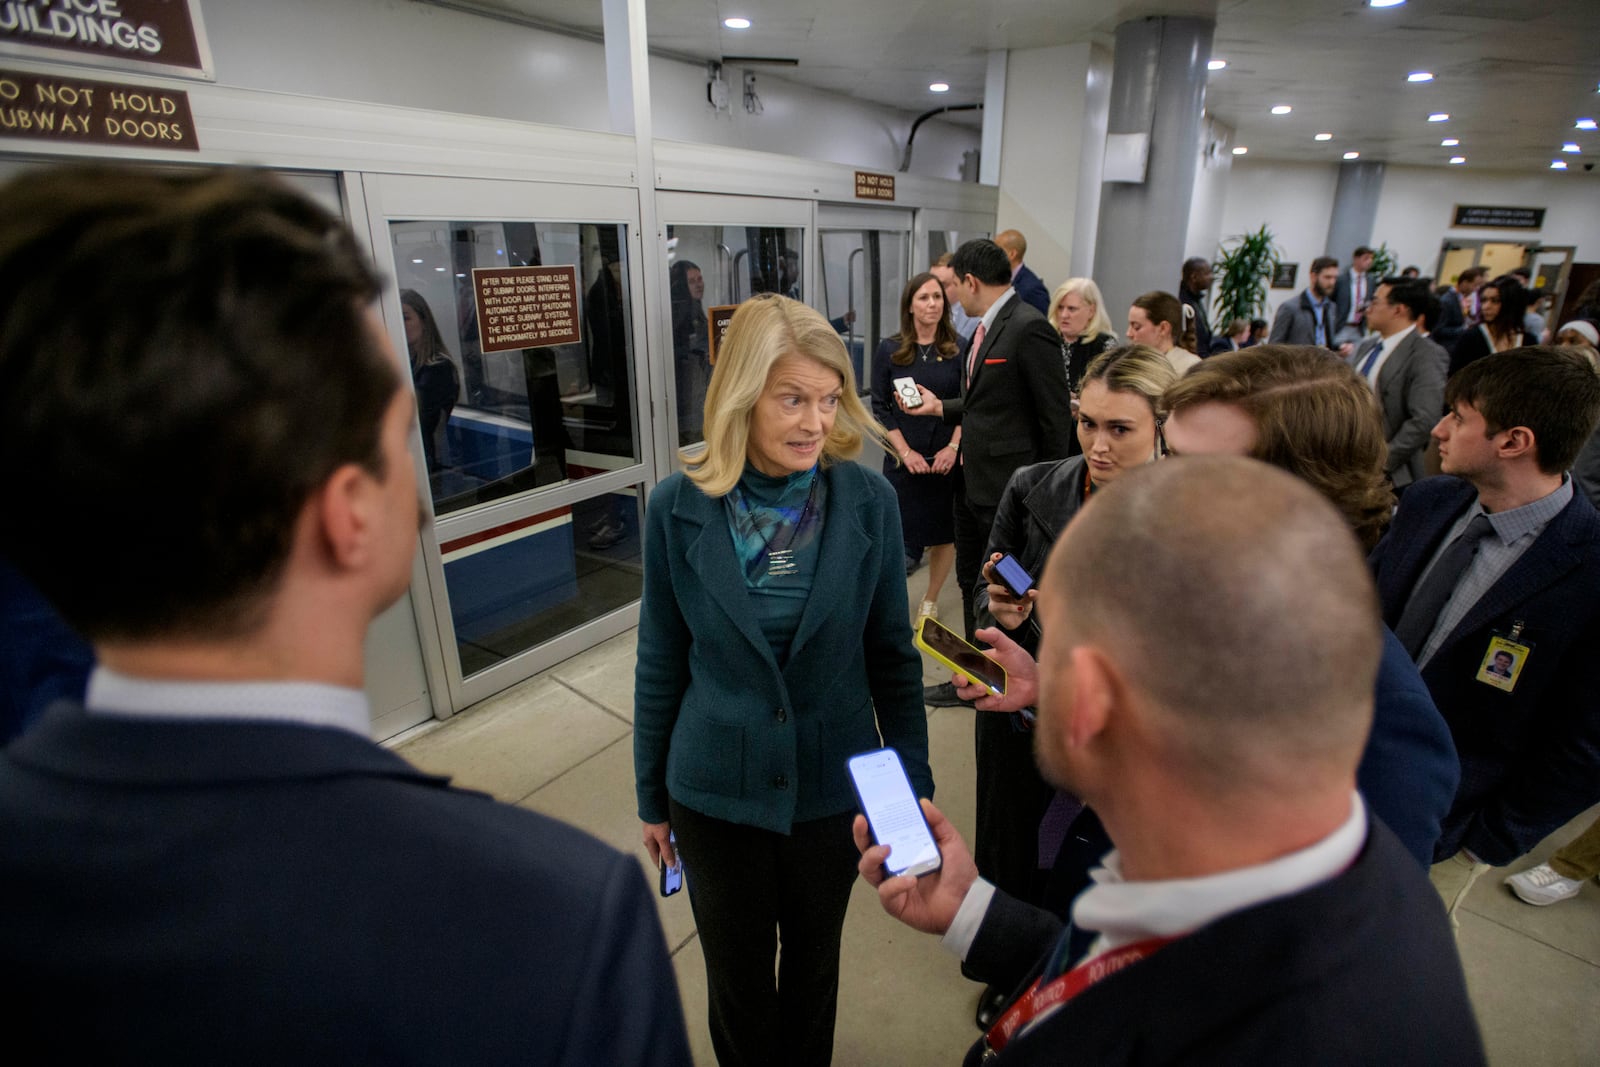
(1158,86)
(994,117)
(1355,209)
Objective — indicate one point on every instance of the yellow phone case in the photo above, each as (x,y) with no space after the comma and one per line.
(960,647)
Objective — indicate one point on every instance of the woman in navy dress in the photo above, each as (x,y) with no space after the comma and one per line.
(928,351)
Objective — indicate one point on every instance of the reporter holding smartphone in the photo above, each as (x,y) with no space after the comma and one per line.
(1119,428)
(774,643)
(928,351)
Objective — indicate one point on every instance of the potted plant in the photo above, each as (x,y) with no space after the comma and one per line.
(1244,269)
(1384,265)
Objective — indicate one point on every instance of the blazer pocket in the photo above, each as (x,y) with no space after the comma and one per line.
(709,756)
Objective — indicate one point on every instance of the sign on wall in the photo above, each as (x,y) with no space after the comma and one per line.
(1499,218)
(871,186)
(526,307)
(76,111)
(717,319)
(158,36)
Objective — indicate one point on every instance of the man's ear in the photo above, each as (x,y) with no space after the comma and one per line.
(1516,442)
(346,512)
(1096,690)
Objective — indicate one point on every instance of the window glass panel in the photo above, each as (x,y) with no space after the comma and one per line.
(498,423)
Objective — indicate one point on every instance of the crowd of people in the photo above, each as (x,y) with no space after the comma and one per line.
(1270,680)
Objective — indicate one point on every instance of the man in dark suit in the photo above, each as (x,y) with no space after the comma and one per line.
(1505,556)
(1253,912)
(1455,316)
(206,860)
(1353,292)
(1027,284)
(1193,285)
(1406,370)
(1312,317)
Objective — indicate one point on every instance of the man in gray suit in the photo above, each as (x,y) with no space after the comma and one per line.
(1406,370)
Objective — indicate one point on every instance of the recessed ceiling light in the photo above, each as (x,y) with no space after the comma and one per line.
(1323,137)
(1457,160)
(1439,116)
(418,259)
(1352,155)
(1558,164)
(1240,150)
(1217,64)
(1449,142)
(1584,124)
(1571,146)
(939,87)
(1419,76)
(1282,109)
(1385,3)
(736,23)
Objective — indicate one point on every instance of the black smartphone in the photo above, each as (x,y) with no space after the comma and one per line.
(952,650)
(1013,576)
(671,877)
(893,814)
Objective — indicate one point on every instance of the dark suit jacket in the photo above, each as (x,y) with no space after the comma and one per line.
(718,724)
(1016,409)
(225,892)
(1409,770)
(1452,319)
(1359,969)
(1202,324)
(1344,292)
(1530,759)
(1411,392)
(1296,323)
(1032,289)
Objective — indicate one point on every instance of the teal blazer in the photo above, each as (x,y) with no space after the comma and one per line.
(716,723)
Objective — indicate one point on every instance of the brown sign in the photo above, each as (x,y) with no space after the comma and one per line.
(871,186)
(75,111)
(164,35)
(526,307)
(1498,218)
(717,319)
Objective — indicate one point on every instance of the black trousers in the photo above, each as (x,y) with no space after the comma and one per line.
(973,525)
(752,890)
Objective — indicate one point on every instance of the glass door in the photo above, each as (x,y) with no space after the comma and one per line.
(720,251)
(864,266)
(514,307)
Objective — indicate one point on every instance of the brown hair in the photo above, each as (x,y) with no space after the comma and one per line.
(944,335)
(1164,307)
(1315,417)
(1550,390)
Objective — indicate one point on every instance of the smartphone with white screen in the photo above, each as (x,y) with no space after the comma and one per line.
(952,650)
(907,388)
(893,814)
(671,877)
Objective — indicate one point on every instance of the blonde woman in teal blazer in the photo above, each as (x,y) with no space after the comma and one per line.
(774,643)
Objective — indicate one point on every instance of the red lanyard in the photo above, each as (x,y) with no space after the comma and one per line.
(1042,997)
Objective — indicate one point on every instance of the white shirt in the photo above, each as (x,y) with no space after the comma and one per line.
(305,703)
(1181,359)
(994,309)
(1385,349)
(1123,912)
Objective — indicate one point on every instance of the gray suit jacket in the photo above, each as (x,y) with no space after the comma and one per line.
(1411,392)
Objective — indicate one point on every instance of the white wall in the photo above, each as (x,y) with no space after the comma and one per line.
(1211,182)
(1414,209)
(413,55)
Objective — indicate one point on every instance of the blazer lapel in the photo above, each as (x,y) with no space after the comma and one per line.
(712,557)
(1001,317)
(1393,368)
(844,545)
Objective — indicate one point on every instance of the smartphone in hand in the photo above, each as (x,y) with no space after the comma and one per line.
(893,814)
(951,649)
(671,877)
(1013,576)
(907,388)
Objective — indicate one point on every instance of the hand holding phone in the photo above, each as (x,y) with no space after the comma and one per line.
(893,814)
(1011,591)
(671,876)
(951,649)
(907,388)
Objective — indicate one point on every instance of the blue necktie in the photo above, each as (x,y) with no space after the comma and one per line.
(1372,357)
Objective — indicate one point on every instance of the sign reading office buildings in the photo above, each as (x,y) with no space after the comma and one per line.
(164,36)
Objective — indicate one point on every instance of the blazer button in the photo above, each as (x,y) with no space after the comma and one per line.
(781,782)
(781,715)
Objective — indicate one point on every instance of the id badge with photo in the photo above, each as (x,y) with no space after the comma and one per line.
(1504,659)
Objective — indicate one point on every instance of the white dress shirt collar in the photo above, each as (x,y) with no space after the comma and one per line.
(305,703)
(994,308)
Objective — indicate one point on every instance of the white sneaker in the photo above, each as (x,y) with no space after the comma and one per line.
(1541,885)
(928,610)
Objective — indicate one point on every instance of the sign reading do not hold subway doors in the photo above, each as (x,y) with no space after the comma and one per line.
(75,111)
(163,36)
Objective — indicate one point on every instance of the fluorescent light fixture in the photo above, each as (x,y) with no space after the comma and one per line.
(1584,124)
(1439,116)
(1282,109)
(939,87)
(1352,155)
(1456,160)
(1240,150)
(1571,146)
(1558,164)
(1449,142)
(1385,3)
(1217,64)
(439,269)
(1323,137)
(1419,76)
(736,23)
(418,259)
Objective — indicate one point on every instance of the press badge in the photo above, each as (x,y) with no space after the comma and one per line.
(1503,662)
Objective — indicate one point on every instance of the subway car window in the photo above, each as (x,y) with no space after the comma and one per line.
(712,266)
(863,274)
(498,423)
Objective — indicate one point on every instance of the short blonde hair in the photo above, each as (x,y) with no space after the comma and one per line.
(1099,322)
(766,328)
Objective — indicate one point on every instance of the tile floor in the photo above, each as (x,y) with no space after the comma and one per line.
(561,743)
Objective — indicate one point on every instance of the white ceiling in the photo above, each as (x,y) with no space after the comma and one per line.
(1514,75)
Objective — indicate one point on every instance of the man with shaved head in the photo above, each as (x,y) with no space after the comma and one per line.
(1029,286)
(1207,688)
